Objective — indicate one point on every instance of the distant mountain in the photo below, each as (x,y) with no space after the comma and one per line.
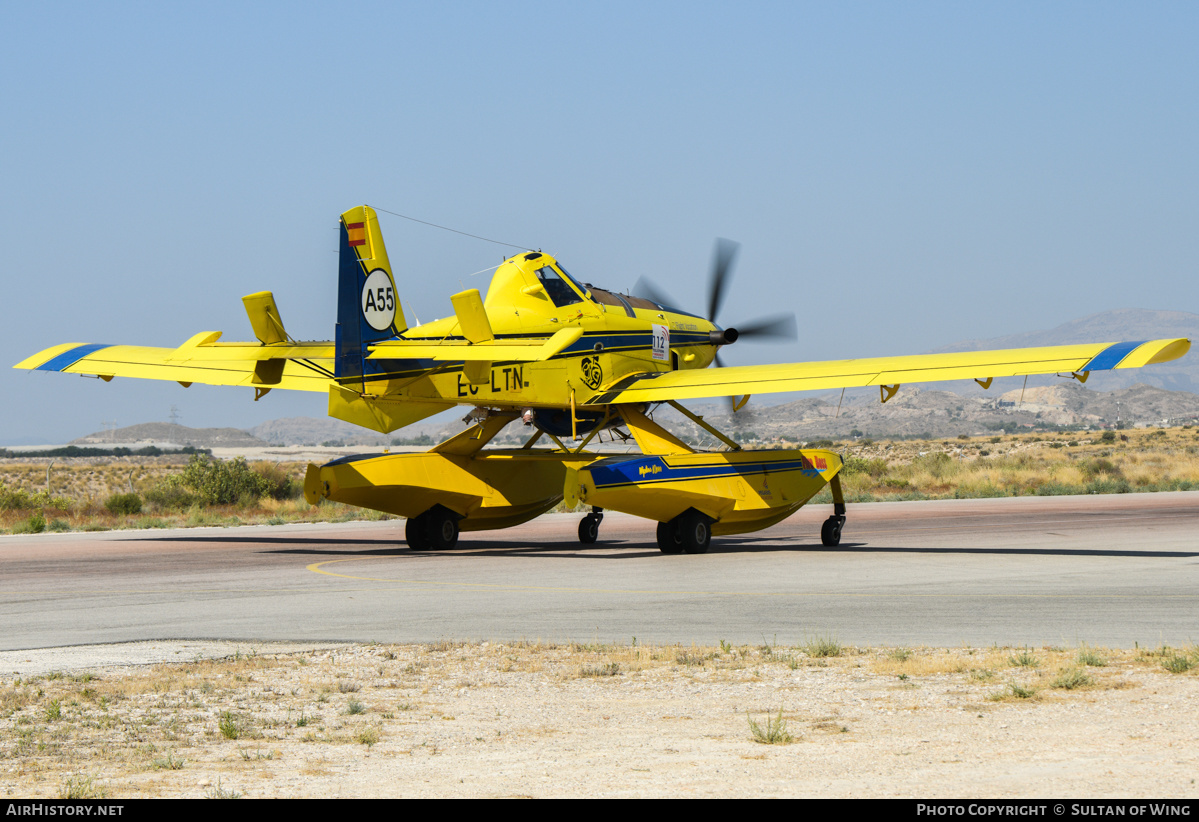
(916,410)
(320,430)
(1108,326)
(161,432)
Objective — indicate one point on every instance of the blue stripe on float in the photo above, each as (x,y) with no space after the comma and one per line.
(613,472)
(70,357)
(1113,355)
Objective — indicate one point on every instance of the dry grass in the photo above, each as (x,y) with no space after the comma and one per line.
(80,486)
(1022,464)
(166,729)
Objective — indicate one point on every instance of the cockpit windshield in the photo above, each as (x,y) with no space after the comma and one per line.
(573,281)
(556,286)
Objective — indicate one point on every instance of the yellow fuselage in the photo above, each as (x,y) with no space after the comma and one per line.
(618,340)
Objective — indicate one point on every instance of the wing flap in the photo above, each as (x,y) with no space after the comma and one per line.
(765,379)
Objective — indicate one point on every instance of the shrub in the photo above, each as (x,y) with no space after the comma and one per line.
(1101,466)
(1108,486)
(218,482)
(171,494)
(277,482)
(16,499)
(938,464)
(120,504)
(34,525)
(984,490)
(1054,488)
(858,465)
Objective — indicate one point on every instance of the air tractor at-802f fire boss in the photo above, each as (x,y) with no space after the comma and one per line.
(567,360)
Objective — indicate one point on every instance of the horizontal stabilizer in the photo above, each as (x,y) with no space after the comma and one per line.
(298,367)
(536,349)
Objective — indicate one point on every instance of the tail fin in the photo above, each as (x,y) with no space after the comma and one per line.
(368,305)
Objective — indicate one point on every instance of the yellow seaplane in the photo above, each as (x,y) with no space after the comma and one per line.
(567,360)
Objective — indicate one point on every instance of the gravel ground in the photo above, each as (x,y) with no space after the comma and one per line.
(530,719)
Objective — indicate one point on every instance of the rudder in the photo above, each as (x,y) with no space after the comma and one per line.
(368,305)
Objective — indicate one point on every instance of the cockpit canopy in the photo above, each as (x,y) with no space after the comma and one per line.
(558,283)
(536,284)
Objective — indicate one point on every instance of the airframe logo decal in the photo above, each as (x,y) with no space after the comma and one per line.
(593,373)
(649,469)
(378,300)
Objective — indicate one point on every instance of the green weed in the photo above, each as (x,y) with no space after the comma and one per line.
(774,732)
(1177,663)
(229,727)
(610,669)
(1073,678)
(170,763)
(1024,659)
(82,787)
(219,792)
(821,646)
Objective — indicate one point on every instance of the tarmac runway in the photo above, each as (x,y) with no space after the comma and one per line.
(1112,570)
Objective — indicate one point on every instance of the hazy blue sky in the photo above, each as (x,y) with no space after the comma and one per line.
(901,175)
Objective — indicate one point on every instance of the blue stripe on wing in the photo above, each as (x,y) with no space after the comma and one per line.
(68,358)
(1113,355)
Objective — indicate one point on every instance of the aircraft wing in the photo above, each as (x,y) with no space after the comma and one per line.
(295,366)
(887,371)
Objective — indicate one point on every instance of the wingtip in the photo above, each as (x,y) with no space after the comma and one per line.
(38,360)
(1167,350)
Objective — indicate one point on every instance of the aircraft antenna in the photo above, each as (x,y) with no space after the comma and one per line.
(456,231)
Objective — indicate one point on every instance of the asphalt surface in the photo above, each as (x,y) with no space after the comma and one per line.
(1113,570)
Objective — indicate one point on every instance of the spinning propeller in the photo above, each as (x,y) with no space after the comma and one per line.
(771,327)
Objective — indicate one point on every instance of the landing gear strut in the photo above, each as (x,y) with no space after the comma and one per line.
(434,530)
(830,532)
(690,532)
(589,526)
